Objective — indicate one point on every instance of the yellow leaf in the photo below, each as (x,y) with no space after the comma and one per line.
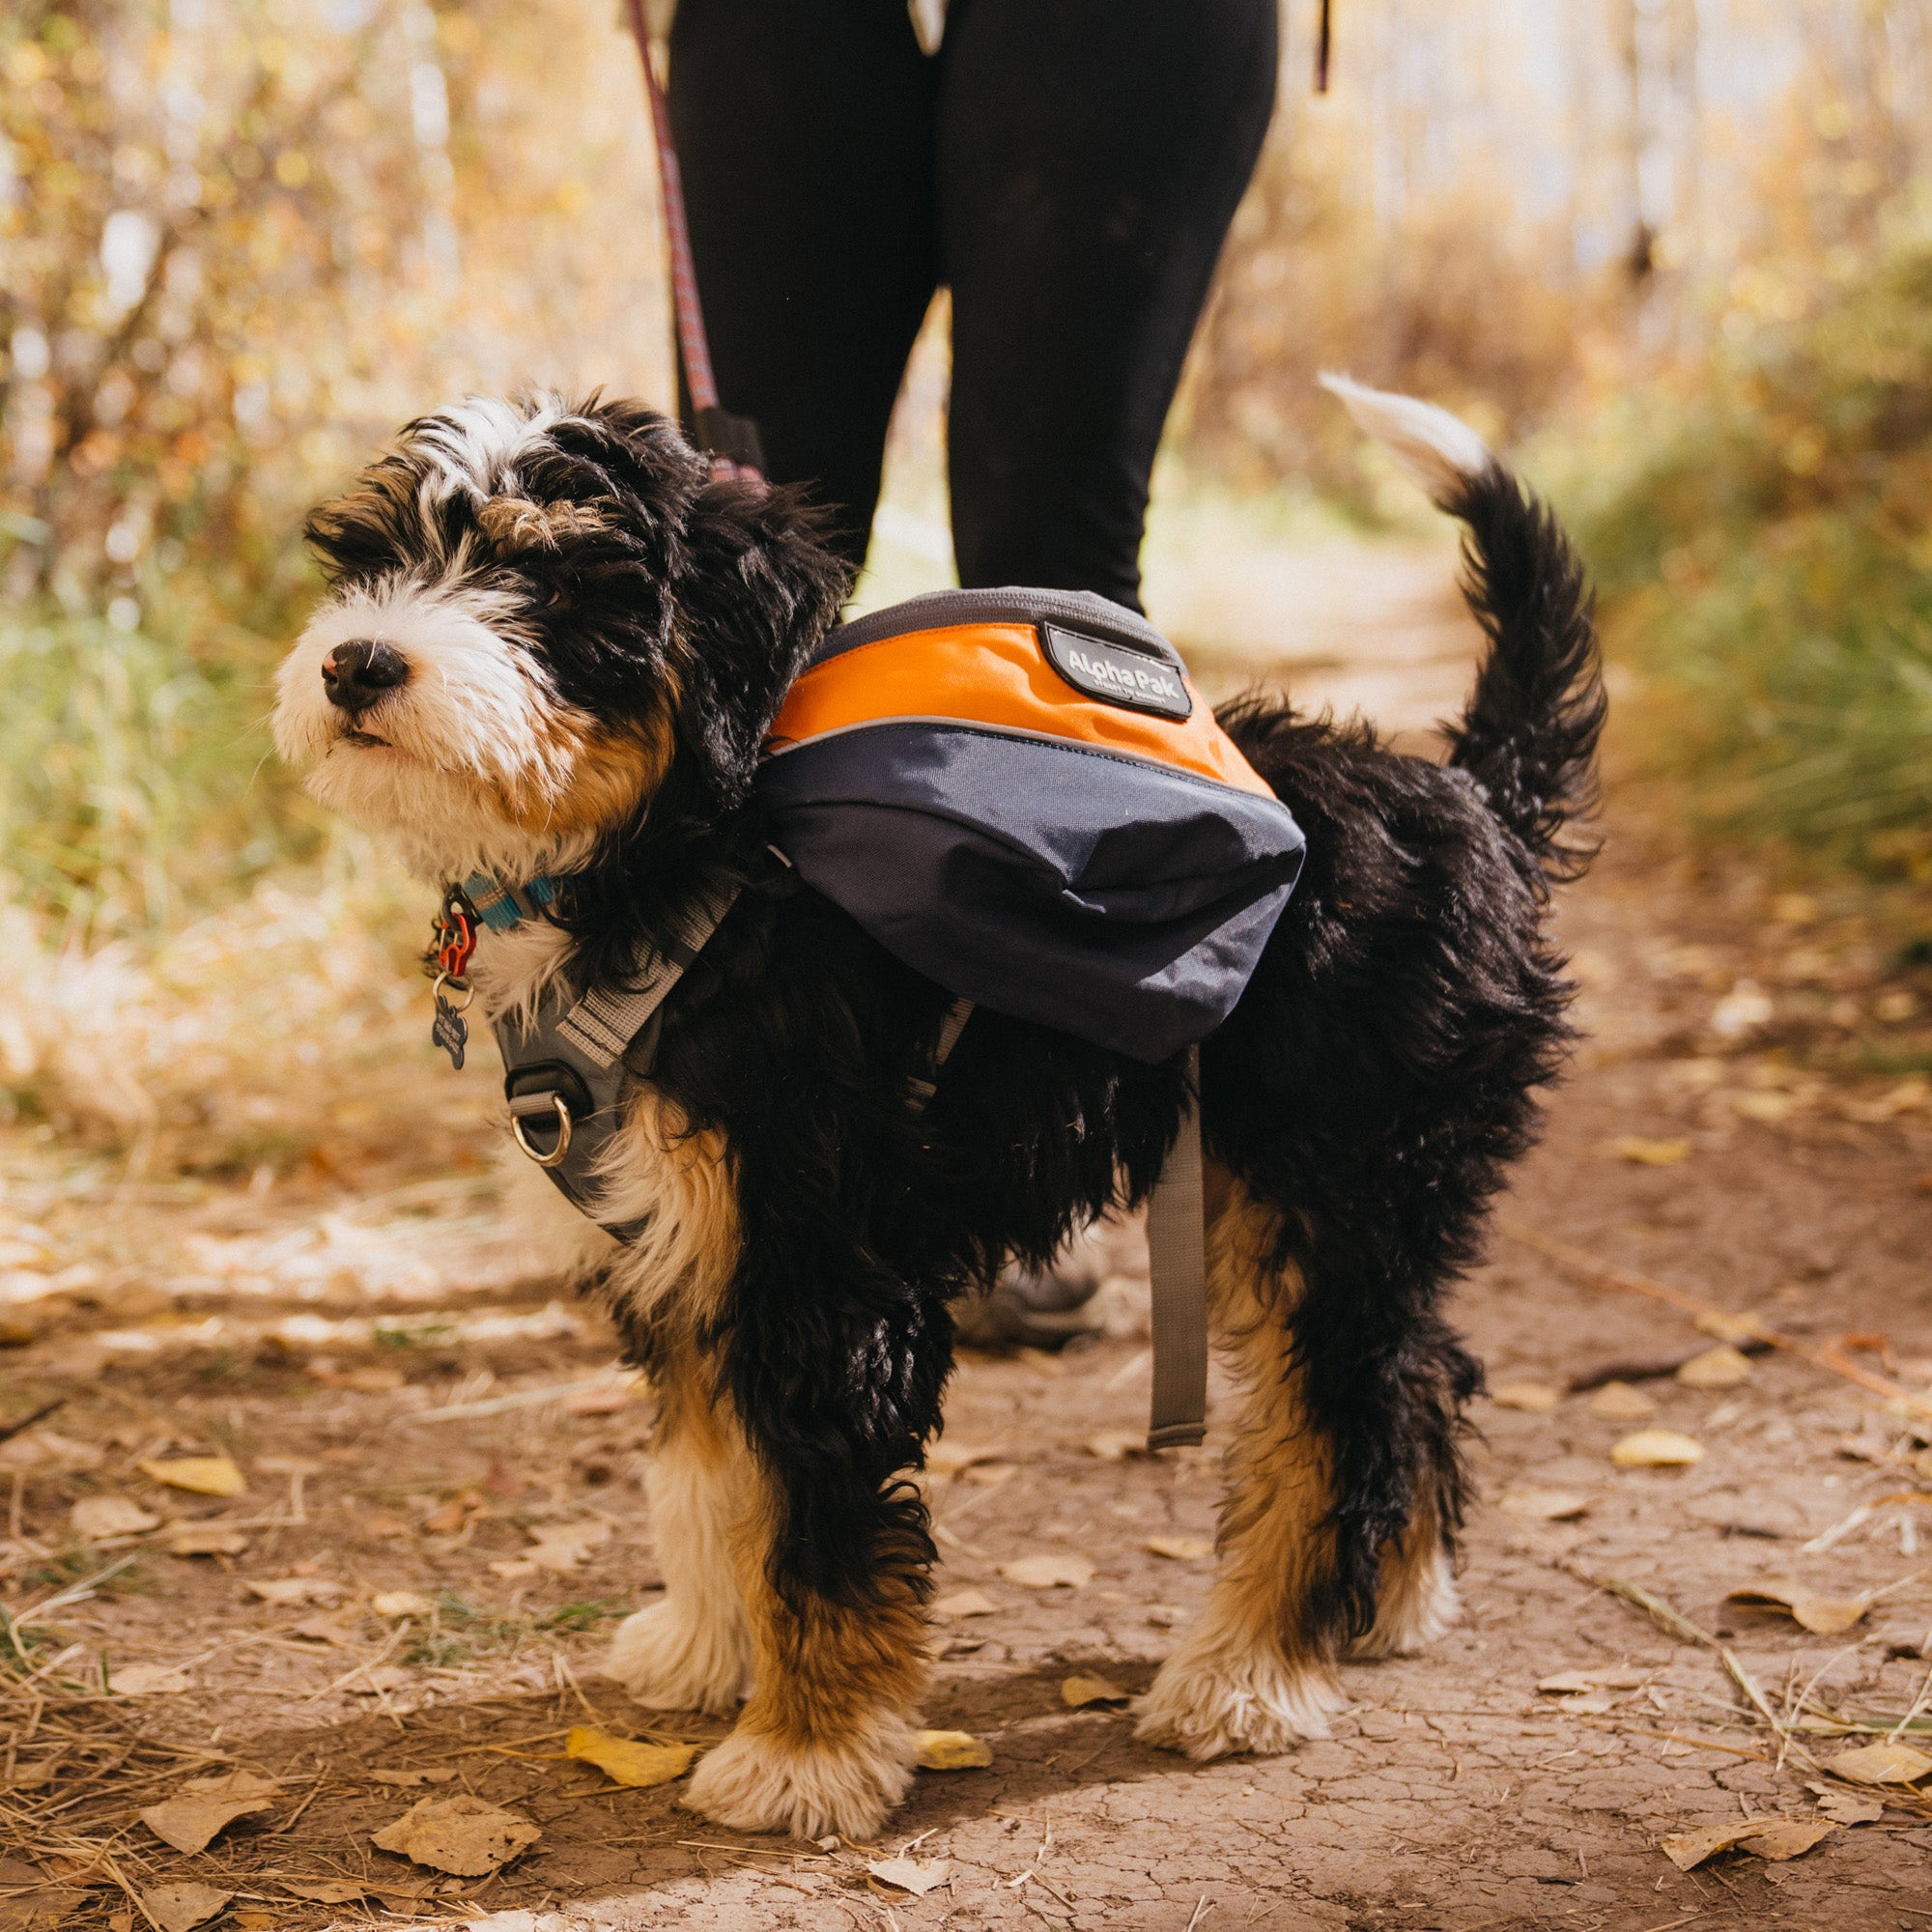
(204,1475)
(1535,1398)
(1645,1152)
(953,1750)
(1182,1548)
(629,1762)
(1886,1763)
(1048,1573)
(1719,1368)
(1618,1402)
(1822,1615)
(1530,1504)
(1656,1449)
(1079,1691)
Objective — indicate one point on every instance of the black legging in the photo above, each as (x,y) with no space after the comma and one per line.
(1068,168)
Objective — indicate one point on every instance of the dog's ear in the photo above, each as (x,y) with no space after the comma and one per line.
(759,590)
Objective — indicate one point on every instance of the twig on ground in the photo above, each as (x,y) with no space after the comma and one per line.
(1826,1355)
(10,1430)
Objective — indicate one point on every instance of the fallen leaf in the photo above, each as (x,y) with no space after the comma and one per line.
(1656,1449)
(255,1921)
(1886,1763)
(989,1475)
(463,1508)
(513,1569)
(1165,1616)
(1534,1505)
(1048,1572)
(402,1603)
(287,1591)
(47,1445)
(918,1876)
(1744,1008)
(1687,1850)
(1114,1445)
(205,1475)
(378,1681)
(1536,1398)
(1077,1693)
(1719,1368)
(965,1604)
(150,1680)
(324,1630)
(386,1524)
(1564,1682)
(1844,1808)
(1782,1838)
(204,1540)
(467,1836)
(626,1762)
(1911,1094)
(953,1750)
(1725,1326)
(206,1807)
(1822,1615)
(175,1908)
(407,1779)
(597,1401)
(563,1546)
(1646,1152)
(1182,1548)
(1767,1109)
(95,1516)
(1618,1402)
(323,1890)
(947,1458)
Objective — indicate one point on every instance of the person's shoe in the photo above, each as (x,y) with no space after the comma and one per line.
(1035,1309)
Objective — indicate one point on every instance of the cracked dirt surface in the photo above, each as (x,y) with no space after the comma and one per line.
(314,1332)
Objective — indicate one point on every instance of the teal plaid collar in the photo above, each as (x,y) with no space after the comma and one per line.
(502,907)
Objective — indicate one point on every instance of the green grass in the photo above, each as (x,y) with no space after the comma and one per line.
(1759,529)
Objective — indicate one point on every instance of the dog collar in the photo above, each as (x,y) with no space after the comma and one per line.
(502,907)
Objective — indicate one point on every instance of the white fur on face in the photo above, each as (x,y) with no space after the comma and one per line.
(475,727)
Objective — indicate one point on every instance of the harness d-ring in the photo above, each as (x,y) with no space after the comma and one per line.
(556,1156)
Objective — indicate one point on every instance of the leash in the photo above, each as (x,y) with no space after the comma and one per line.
(732,441)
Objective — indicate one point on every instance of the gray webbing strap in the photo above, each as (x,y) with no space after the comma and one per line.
(606,1021)
(1178,1269)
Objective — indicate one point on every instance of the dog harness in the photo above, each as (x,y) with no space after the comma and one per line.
(1021,795)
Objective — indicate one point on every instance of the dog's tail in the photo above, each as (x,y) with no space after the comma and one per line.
(1529,732)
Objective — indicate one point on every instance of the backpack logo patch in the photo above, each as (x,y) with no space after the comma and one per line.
(1116,672)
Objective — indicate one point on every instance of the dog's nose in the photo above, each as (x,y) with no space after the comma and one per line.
(354,676)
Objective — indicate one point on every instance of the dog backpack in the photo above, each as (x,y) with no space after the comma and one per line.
(1019,794)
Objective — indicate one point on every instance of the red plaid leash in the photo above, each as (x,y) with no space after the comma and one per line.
(732,441)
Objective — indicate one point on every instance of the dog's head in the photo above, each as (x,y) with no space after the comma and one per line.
(545,621)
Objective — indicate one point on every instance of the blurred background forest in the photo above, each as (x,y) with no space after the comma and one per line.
(1674,254)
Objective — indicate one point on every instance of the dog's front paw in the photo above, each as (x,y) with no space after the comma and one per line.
(671,1658)
(1211,1705)
(752,1782)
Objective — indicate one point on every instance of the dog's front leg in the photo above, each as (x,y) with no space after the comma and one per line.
(692,1651)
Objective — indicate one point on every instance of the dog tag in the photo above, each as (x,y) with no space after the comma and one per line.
(450,1030)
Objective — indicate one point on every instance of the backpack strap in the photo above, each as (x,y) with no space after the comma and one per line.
(1177,1272)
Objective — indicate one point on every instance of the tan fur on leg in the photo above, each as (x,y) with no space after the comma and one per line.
(1416,1601)
(826,1742)
(1254,1674)
(692,1652)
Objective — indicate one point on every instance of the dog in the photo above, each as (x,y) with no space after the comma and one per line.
(553,647)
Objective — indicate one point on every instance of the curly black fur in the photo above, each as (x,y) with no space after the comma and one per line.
(1371,1087)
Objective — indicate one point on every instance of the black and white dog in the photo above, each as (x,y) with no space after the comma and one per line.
(554,647)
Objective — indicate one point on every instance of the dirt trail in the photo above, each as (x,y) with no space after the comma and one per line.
(367,1358)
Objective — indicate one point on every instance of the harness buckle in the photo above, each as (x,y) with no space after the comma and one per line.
(532,1106)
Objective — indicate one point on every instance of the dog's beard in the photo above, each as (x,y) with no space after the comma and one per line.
(465,765)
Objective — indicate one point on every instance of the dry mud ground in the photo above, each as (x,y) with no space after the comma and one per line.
(367,1357)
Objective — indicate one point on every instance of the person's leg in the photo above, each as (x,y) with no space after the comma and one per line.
(805,136)
(1091,155)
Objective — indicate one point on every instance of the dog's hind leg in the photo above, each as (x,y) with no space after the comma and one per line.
(1257,1671)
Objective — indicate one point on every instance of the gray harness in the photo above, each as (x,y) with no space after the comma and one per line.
(570,1067)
